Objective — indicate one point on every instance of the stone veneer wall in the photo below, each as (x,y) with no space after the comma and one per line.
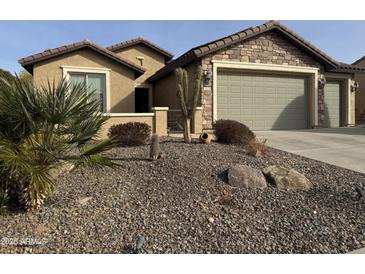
(320,107)
(267,48)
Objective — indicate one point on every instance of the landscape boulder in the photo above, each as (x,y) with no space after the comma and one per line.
(287,179)
(242,176)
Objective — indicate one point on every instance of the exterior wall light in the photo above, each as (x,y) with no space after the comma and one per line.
(207,77)
(140,59)
(355,86)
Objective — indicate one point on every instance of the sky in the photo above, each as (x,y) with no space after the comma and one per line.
(342,40)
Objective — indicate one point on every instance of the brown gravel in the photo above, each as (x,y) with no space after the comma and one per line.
(176,204)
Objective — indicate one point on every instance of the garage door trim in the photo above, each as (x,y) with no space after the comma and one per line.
(312,74)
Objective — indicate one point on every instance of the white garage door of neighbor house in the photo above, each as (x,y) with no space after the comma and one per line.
(332,104)
(263,101)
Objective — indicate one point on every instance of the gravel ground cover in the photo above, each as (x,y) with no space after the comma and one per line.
(175,204)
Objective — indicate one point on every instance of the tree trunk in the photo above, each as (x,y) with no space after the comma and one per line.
(187,135)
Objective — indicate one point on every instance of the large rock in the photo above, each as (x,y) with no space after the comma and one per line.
(244,176)
(286,179)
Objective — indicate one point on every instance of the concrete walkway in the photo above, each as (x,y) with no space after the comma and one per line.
(344,147)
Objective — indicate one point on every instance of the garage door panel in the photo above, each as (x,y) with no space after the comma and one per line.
(263,101)
(332,104)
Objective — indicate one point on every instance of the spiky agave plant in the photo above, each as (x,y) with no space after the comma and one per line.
(188,102)
(41,129)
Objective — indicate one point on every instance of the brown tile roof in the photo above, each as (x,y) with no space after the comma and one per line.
(232,39)
(347,68)
(141,40)
(358,60)
(28,62)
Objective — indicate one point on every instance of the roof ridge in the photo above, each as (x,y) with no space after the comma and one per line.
(139,39)
(358,60)
(212,46)
(49,53)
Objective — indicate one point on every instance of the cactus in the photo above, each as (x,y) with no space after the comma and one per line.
(188,105)
(155,147)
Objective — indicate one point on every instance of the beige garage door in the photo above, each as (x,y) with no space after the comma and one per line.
(332,104)
(262,101)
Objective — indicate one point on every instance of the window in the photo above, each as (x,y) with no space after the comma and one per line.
(95,83)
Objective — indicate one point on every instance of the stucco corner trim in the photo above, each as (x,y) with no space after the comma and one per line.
(160,108)
(312,72)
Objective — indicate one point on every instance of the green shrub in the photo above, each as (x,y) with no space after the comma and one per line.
(5,76)
(130,134)
(41,130)
(232,132)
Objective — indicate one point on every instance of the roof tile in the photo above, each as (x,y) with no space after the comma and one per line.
(227,40)
(199,51)
(140,40)
(212,46)
(242,34)
(256,29)
(235,37)
(248,31)
(50,53)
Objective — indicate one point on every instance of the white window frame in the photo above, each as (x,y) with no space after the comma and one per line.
(66,70)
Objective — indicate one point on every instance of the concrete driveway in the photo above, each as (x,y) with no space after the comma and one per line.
(344,147)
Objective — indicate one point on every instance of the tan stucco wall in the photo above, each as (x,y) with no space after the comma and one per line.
(160,122)
(165,89)
(121,78)
(360,94)
(152,61)
(157,122)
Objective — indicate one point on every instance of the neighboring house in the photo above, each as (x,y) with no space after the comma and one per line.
(267,77)
(360,95)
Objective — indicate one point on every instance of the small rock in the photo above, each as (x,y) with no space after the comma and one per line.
(244,176)
(84,201)
(286,179)
(211,219)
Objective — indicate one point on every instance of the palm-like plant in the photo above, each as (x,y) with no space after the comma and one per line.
(41,129)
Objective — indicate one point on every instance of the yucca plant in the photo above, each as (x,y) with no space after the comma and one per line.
(188,102)
(41,130)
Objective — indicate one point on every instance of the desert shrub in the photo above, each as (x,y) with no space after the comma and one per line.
(5,76)
(42,129)
(226,198)
(257,148)
(232,132)
(130,134)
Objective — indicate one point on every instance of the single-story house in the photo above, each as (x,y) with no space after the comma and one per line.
(360,95)
(118,74)
(267,77)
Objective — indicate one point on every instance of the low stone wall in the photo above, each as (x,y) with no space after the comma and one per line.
(157,120)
